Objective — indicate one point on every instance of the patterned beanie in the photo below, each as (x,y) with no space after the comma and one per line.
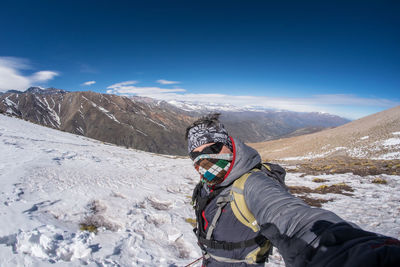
(206,130)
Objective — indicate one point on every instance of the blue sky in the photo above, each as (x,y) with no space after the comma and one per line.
(341,57)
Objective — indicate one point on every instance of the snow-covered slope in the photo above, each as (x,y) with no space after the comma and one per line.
(51,182)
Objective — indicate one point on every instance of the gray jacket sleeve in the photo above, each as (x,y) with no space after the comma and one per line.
(284,219)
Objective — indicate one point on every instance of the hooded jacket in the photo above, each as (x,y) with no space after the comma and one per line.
(292,226)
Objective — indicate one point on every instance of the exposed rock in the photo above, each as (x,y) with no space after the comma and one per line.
(144,123)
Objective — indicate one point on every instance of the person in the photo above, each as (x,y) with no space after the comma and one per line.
(303,235)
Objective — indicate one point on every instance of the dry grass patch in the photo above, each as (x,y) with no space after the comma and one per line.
(191,221)
(95,219)
(335,189)
(323,189)
(302,191)
(88,227)
(319,180)
(315,202)
(379,180)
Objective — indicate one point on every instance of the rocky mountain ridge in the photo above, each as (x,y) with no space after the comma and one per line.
(144,123)
(119,120)
(255,124)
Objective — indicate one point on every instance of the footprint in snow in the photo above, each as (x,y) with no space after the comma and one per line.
(173,234)
(181,248)
(65,156)
(13,143)
(159,204)
(96,159)
(17,194)
(173,189)
(158,219)
(40,205)
(69,155)
(49,150)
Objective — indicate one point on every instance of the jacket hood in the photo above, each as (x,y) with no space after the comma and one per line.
(245,159)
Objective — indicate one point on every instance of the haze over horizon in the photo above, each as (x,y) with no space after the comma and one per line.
(339,57)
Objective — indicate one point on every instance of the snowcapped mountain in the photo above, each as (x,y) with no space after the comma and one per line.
(55,186)
(202,107)
(43,91)
(256,124)
(148,124)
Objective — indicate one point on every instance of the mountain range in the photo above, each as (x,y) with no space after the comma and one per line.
(148,124)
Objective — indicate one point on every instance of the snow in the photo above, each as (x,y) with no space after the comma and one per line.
(80,130)
(10,102)
(364,137)
(358,152)
(373,207)
(388,156)
(159,124)
(201,105)
(49,179)
(392,142)
(10,111)
(53,114)
(396,133)
(40,102)
(105,111)
(139,131)
(52,181)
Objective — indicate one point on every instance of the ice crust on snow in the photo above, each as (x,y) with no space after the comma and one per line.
(52,181)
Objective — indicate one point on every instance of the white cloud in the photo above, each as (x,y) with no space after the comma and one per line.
(166,82)
(88,83)
(11,77)
(43,76)
(15,63)
(126,88)
(349,106)
(122,84)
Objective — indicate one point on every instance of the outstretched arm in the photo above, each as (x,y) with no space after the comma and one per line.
(314,237)
(284,219)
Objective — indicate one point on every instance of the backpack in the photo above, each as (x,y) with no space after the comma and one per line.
(240,210)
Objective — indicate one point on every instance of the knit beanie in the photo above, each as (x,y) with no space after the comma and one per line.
(207,129)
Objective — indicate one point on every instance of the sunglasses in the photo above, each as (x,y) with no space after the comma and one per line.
(213,149)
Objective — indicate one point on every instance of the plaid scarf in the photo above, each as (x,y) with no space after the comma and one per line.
(213,167)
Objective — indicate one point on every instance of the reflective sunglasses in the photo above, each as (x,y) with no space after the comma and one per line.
(213,149)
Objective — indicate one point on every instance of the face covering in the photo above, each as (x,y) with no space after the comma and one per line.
(213,167)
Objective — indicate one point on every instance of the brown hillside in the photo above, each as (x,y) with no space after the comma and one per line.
(364,138)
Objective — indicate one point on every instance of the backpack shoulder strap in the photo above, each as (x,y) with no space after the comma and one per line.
(275,171)
(238,203)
